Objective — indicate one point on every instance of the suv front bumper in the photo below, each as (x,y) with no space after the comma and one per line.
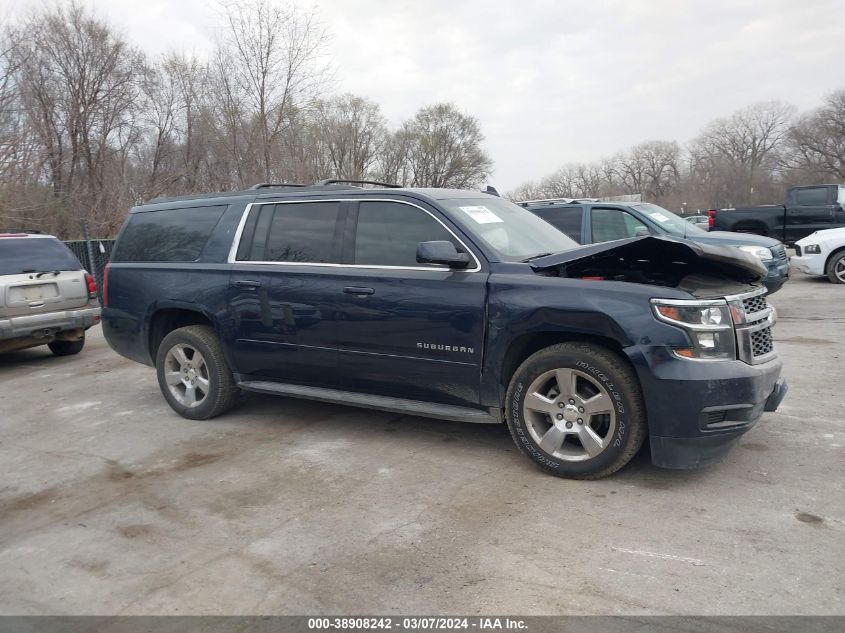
(48,323)
(698,409)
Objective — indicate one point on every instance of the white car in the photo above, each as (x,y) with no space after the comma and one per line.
(701,221)
(822,253)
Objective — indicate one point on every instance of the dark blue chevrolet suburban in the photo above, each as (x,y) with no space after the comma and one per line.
(451,304)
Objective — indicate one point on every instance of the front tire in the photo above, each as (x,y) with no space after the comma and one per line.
(67,348)
(577,410)
(193,374)
(836,268)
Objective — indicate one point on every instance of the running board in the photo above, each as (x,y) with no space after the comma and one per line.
(367,401)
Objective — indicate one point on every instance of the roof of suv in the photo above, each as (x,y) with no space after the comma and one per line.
(339,189)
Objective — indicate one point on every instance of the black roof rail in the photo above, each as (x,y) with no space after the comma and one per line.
(337,181)
(268,185)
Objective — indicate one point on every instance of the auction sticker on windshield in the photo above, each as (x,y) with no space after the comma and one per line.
(659,216)
(481,214)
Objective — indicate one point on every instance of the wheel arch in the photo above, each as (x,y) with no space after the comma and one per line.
(832,254)
(168,317)
(524,345)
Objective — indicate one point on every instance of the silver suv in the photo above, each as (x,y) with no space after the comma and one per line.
(46,297)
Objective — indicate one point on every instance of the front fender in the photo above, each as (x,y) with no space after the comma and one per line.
(571,309)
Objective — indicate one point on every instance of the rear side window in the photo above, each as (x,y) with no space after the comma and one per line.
(35,254)
(388,234)
(811,197)
(174,235)
(567,220)
(295,232)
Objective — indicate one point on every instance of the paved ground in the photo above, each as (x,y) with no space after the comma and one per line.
(111,504)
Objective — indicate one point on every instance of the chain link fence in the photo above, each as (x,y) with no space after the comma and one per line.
(95,259)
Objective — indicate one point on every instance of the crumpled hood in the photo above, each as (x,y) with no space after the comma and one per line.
(668,252)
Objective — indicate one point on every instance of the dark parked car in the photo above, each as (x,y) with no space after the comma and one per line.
(46,297)
(589,222)
(807,210)
(450,304)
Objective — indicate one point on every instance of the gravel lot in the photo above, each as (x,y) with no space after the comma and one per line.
(111,504)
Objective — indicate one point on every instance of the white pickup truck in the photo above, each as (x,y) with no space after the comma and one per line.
(46,297)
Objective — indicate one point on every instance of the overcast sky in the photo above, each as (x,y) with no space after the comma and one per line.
(551,81)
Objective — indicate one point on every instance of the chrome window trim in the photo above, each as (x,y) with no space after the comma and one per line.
(233,251)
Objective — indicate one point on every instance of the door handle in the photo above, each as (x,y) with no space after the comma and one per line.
(247,283)
(358,290)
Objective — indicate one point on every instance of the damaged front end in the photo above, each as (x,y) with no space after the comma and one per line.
(702,270)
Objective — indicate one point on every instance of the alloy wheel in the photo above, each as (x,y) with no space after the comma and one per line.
(186,375)
(569,414)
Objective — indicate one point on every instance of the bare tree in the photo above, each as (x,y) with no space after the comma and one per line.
(76,79)
(353,131)
(269,60)
(750,141)
(650,168)
(445,148)
(393,163)
(818,140)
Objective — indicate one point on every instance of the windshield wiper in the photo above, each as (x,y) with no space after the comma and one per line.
(55,273)
(537,256)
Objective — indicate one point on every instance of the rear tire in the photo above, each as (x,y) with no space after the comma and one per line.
(67,348)
(193,374)
(836,268)
(577,410)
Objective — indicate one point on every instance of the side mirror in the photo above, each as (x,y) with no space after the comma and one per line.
(441,252)
(641,231)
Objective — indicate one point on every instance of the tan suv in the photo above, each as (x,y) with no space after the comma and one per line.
(46,297)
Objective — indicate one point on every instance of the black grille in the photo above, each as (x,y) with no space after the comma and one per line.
(761,342)
(797,251)
(755,304)
(780,253)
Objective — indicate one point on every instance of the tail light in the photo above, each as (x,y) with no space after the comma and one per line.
(92,286)
(106,285)
(711,219)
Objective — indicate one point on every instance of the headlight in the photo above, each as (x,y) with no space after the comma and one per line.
(708,324)
(760,252)
(812,249)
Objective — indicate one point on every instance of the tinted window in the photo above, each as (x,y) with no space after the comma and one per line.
(174,235)
(567,220)
(296,232)
(389,233)
(34,254)
(613,224)
(809,197)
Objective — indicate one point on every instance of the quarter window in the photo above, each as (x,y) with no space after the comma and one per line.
(172,235)
(388,234)
(615,224)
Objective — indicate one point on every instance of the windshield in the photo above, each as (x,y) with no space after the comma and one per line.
(514,233)
(33,254)
(673,224)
